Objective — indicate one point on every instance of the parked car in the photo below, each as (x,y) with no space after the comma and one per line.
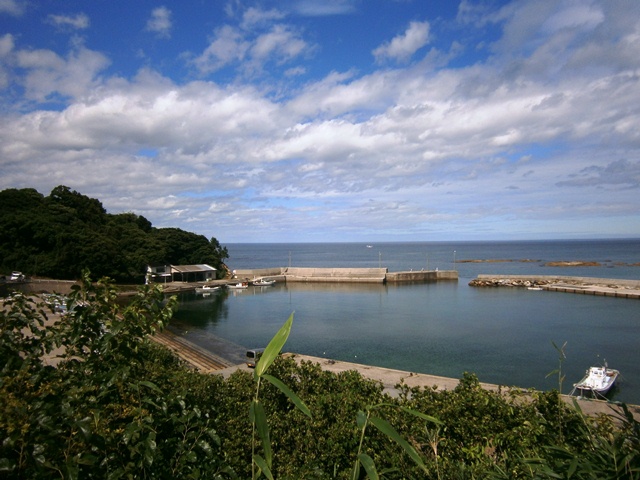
(16,276)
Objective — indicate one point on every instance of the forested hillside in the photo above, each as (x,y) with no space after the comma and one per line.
(65,232)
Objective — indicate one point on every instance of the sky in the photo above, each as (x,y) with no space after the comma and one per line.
(331,120)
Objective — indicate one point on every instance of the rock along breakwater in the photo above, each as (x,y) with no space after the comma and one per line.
(606,287)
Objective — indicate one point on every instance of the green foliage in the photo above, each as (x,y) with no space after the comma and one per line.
(364,419)
(116,405)
(61,235)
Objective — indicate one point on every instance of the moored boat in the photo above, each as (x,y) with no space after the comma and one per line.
(206,289)
(263,282)
(239,286)
(597,381)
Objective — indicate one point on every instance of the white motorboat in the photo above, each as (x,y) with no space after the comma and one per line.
(597,381)
(206,289)
(239,286)
(263,282)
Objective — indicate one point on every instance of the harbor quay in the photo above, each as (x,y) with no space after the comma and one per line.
(605,287)
(345,275)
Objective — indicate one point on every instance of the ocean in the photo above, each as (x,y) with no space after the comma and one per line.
(503,335)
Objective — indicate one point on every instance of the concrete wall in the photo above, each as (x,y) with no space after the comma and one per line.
(422,276)
(346,275)
(258,272)
(44,286)
(335,275)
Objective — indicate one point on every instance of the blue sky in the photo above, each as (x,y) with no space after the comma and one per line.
(331,120)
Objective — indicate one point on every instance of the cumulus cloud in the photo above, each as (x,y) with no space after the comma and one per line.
(12,7)
(402,47)
(79,21)
(228,46)
(253,44)
(160,22)
(255,16)
(49,74)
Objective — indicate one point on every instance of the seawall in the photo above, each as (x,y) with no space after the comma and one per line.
(346,275)
(422,276)
(35,285)
(604,287)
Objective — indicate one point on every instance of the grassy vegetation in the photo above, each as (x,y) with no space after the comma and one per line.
(119,406)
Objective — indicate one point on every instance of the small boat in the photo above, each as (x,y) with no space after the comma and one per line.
(206,289)
(597,381)
(239,286)
(535,288)
(263,282)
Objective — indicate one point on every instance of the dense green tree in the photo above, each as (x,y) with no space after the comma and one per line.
(60,235)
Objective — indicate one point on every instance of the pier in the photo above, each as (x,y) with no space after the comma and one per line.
(344,275)
(604,287)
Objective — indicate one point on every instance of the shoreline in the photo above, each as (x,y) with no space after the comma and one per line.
(389,378)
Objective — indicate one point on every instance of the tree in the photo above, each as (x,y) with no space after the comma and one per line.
(60,235)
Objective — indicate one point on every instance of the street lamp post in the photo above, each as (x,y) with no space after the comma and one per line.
(454,259)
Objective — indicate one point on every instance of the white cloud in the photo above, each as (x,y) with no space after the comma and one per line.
(323,7)
(278,44)
(574,15)
(256,16)
(402,47)
(6,48)
(49,74)
(228,46)
(79,21)
(160,22)
(12,7)
(6,45)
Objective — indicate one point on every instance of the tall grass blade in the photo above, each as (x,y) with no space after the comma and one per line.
(260,419)
(289,393)
(421,415)
(262,465)
(273,349)
(369,466)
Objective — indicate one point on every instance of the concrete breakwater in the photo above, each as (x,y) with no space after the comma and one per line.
(607,287)
(345,275)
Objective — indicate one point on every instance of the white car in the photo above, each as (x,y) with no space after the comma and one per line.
(16,276)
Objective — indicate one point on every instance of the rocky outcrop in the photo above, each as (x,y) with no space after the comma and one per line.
(508,282)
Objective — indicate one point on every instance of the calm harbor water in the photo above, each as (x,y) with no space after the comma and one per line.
(502,335)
